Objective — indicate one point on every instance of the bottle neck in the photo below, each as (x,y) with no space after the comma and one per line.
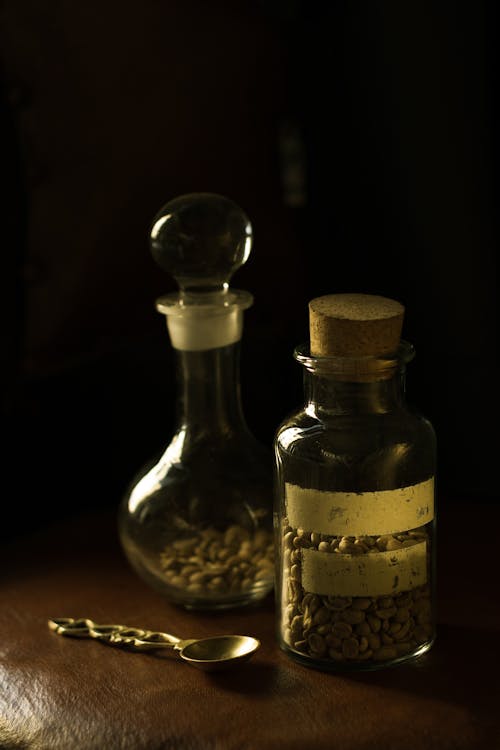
(209,401)
(327,394)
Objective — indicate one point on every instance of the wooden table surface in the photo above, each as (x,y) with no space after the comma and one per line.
(62,694)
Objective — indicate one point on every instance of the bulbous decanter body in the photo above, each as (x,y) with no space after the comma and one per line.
(355,512)
(196,524)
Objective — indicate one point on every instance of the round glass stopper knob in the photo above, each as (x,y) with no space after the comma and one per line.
(201,239)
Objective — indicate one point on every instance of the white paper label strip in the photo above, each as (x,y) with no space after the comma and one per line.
(374,574)
(363,513)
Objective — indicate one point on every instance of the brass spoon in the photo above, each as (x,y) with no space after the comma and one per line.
(210,654)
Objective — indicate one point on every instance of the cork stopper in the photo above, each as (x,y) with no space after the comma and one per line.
(354,325)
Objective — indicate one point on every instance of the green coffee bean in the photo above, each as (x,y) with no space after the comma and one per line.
(361,602)
(335,654)
(353,616)
(403,632)
(317,644)
(337,602)
(374,622)
(342,629)
(333,641)
(350,648)
(402,615)
(386,614)
(362,628)
(365,655)
(321,617)
(324,629)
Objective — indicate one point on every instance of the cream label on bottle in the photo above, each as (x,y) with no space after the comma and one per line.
(360,513)
(377,574)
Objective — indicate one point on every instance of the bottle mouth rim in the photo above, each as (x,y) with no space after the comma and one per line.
(373,363)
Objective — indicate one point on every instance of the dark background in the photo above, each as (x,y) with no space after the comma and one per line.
(360,138)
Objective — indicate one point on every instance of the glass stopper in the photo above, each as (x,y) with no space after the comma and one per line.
(201,239)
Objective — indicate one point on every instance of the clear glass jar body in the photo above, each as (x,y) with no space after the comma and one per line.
(355,518)
(196,524)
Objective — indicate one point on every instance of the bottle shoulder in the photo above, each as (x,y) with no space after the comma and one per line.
(214,466)
(356,451)
(305,424)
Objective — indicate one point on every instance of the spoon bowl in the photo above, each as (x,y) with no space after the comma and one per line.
(217,652)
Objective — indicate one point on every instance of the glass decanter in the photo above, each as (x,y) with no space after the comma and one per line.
(196,523)
(355,510)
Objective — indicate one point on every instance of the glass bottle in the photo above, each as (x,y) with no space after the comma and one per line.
(196,523)
(354,507)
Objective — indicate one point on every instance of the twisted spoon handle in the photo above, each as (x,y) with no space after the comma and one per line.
(122,636)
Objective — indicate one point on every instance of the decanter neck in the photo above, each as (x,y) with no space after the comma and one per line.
(208,384)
